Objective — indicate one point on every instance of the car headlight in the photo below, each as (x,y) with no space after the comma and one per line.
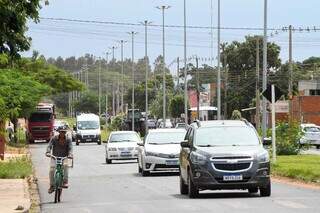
(197,158)
(263,157)
(151,154)
(112,149)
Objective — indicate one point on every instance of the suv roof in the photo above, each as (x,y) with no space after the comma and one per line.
(213,123)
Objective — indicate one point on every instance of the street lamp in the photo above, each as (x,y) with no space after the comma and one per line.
(132,33)
(185,65)
(219,70)
(122,73)
(146,23)
(163,8)
(264,76)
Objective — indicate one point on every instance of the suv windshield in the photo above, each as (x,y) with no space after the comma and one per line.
(40,117)
(226,136)
(83,125)
(165,137)
(128,137)
(311,129)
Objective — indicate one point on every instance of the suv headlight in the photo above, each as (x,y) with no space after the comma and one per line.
(197,158)
(112,149)
(263,157)
(151,154)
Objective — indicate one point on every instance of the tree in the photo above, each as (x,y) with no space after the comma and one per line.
(87,103)
(19,95)
(14,16)
(176,106)
(156,106)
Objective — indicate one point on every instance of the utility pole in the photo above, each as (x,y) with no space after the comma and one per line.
(146,23)
(117,98)
(99,90)
(258,84)
(219,71)
(132,33)
(163,8)
(264,76)
(211,32)
(198,89)
(122,74)
(185,62)
(178,72)
(290,73)
(107,61)
(113,101)
(225,83)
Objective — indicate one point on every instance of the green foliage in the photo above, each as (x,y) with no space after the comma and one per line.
(19,94)
(16,168)
(176,106)
(116,123)
(14,16)
(301,167)
(88,102)
(236,115)
(156,106)
(288,136)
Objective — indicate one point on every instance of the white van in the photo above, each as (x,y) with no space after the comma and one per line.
(87,129)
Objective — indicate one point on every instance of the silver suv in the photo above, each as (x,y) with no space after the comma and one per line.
(219,155)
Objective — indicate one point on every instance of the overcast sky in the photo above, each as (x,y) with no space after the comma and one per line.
(62,38)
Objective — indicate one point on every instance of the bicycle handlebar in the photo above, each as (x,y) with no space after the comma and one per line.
(55,157)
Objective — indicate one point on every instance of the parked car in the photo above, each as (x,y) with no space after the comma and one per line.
(168,124)
(218,155)
(122,145)
(152,123)
(181,126)
(311,135)
(160,151)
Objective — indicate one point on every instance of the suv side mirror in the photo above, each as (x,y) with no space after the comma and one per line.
(74,127)
(267,141)
(185,144)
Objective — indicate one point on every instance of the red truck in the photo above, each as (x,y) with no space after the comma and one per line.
(40,123)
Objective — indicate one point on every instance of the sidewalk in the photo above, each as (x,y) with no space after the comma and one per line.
(14,196)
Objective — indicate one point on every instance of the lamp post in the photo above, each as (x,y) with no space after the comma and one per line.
(163,8)
(264,76)
(132,33)
(219,70)
(122,73)
(185,62)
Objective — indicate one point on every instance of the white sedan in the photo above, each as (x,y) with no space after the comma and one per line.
(160,151)
(122,145)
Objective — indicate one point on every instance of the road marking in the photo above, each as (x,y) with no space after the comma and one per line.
(291,204)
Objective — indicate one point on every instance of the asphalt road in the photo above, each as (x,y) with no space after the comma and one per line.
(98,187)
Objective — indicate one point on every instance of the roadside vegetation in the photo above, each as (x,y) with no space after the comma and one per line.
(301,167)
(16,168)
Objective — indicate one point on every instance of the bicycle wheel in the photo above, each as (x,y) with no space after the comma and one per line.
(58,183)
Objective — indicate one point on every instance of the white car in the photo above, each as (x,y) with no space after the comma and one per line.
(311,135)
(122,145)
(168,124)
(160,151)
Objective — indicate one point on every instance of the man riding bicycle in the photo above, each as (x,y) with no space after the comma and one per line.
(61,146)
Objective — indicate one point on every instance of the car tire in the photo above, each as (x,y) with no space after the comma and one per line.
(193,191)
(266,190)
(77,143)
(145,173)
(318,146)
(139,169)
(99,143)
(253,190)
(183,187)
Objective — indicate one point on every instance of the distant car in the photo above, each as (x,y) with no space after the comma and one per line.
(181,126)
(87,129)
(122,145)
(311,135)
(168,124)
(152,123)
(160,151)
(59,123)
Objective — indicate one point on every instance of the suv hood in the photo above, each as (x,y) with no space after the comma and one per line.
(220,151)
(122,144)
(164,148)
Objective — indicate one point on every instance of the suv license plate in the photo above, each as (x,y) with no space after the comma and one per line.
(88,140)
(232,177)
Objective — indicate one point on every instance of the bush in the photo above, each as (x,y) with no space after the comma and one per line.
(16,168)
(116,123)
(288,136)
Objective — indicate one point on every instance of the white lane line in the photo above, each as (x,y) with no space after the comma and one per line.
(290,204)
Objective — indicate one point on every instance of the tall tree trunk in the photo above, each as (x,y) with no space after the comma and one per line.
(15,129)
(2,138)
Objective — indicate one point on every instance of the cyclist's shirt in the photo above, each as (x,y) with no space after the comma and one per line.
(58,149)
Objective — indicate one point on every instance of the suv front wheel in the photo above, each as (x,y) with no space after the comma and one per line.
(193,191)
(183,187)
(266,190)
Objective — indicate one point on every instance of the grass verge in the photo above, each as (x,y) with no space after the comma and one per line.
(300,167)
(16,168)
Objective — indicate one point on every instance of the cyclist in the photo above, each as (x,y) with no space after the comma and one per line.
(61,146)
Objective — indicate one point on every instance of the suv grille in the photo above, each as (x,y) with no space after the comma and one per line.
(230,157)
(88,136)
(232,167)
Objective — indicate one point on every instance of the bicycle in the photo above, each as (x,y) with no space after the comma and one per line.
(58,176)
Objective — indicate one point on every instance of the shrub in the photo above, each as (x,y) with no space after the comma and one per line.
(116,123)
(288,136)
